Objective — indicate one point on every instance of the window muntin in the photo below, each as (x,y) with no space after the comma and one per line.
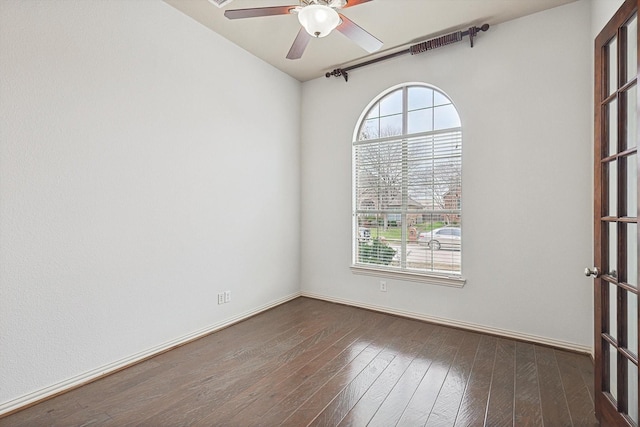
(407,172)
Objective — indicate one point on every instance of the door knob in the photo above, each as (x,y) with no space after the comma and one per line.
(595,272)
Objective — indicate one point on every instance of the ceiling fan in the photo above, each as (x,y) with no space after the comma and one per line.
(318,18)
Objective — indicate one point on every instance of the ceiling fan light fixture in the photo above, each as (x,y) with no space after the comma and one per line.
(318,20)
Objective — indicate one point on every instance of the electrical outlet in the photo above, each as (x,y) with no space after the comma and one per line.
(227,296)
(221,298)
(383,286)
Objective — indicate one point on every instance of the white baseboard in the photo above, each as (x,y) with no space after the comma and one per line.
(87,377)
(459,324)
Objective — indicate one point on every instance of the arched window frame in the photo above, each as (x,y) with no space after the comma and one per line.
(424,156)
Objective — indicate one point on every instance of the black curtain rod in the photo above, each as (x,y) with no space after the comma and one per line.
(414,50)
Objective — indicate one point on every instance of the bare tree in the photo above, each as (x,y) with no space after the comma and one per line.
(380,170)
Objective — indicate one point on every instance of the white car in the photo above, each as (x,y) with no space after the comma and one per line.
(445,237)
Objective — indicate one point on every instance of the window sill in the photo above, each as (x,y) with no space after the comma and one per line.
(431,279)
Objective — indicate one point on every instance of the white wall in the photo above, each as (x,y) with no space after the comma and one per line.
(145,165)
(524,94)
(601,12)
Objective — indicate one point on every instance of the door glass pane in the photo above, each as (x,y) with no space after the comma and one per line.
(613,188)
(632,254)
(613,311)
(612,268)
(632,322)
(613,371)
(632,186)
(613,65)
(632,371)
(632,118)
(632,48)
(612,113)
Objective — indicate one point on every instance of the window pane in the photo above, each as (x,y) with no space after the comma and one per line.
(632,48)
(632,373)
(434,251)
(613,371)
(632,254)
(613,311)
(370,130)
(379,174)
(632,322)
(613,188)
(613,250)
(420,121)
(420,97)
(440,99)
(613,65)
(375,111)
(632,118)
(372,240)
(391,104)
(445,117)
(612,112)
(390,126)
(631,209)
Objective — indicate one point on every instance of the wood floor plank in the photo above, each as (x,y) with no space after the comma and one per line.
(555,411)
(118,385)
(438,362)
(575,390)
(369,403)
(335,411)
(473,407)
(349,357)
(446,407)
(253,332)
(162,390)
(400,396)
(223,382)
(586,367)
(319,400)
(285,367)
(307,411)
(312,362)
(528,410)
(500,407)
(341,352)
(411,336)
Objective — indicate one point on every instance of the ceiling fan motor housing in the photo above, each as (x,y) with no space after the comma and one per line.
(319,20)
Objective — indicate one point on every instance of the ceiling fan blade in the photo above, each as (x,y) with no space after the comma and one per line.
(299,44)
(354,3)
(358,35)
(258,11)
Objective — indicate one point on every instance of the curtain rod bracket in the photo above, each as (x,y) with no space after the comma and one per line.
(455,37)
(337,73)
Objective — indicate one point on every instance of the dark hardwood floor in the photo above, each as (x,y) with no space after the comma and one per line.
(310,362)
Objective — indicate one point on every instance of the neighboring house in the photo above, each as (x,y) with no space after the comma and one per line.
(451,201)
(394,219)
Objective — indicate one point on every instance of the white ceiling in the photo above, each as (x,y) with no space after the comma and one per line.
(398,23)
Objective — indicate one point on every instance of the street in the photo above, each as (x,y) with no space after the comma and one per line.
(421,257)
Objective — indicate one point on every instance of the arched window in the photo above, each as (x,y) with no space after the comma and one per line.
(407,185)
